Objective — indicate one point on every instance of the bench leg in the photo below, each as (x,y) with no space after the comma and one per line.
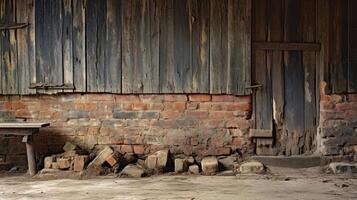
(30,155)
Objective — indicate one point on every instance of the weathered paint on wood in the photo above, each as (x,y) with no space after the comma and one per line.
(200,46)
(67,38)
(308,26)
(294,81)
(95,45)
(25,46)
(287,100)
(9,50)
(261,75)
(140,42)
(113,47)
(170,48)
(219,46)
(79,45)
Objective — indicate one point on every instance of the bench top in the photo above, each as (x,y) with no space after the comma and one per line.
(23,125)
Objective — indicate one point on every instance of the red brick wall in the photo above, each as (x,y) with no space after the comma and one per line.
(187,124)
(338,126)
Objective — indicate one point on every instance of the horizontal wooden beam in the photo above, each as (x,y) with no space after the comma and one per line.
(282,46)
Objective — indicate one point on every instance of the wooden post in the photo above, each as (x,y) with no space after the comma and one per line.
(31,161)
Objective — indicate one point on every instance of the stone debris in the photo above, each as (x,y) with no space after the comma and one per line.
(64,163)
(343,168)
(69,147)
(151,161)
(194,169)
(101,157)
(181,165)
(113,159)
(228,162)
(190,160)
(209,166)
(129,164)
(133,171)
(157,161)
(80,163)
(48,162)
(162,157)
(252,167)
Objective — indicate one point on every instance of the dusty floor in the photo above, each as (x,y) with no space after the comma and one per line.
(283,184)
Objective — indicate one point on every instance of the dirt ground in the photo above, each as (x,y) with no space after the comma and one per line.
(281,183)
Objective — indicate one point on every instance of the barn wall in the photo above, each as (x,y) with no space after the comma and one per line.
(126,46)
(337,27)
(197,125)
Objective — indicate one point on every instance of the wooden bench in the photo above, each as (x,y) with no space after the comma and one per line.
(27,130)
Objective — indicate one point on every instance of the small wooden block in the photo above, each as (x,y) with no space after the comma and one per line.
(260,133)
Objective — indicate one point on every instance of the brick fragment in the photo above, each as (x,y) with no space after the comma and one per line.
(209,166)
(199,97)
(64,163)
(101,157)
(80,163)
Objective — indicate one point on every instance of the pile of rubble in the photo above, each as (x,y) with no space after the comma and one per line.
(108,161)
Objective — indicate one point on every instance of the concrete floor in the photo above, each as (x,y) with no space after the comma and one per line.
(295,185)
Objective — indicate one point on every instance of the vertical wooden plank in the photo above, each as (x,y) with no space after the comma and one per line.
(67,38)
(167,68)
(95,45)
(49,42)
(128,63)
(352,70)
(276,35)
(218,46)
(10,83)
(31,41)
(323,39)
(294,81)
(200,45)
(151,71)
(79,45)
(25,47)
(182,45)
(113,47)
(235,52)
(239,26)
(140,46)
(339,46)
(175,46)
(245,16)
(54,29)
(308,29)
(39,35)
(261,74)
(22,48)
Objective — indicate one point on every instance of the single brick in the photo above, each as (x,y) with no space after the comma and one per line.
(80,163)
(199,97)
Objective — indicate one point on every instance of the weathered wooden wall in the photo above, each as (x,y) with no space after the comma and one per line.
(337,30)
(126,46)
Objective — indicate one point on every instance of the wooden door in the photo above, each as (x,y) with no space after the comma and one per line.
(284,65)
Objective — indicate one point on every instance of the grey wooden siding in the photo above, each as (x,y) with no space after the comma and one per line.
(337,23)
(126,46)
